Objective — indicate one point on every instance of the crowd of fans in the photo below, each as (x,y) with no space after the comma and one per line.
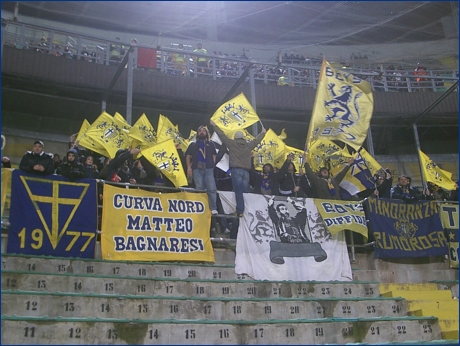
(200,164)
(401,79)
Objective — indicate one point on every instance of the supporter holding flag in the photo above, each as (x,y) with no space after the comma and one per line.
(240,162)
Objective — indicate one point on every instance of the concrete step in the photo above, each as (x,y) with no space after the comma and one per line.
(152,307)
(448,324)
(415,275)
(445,314)
(79,283)
(450,335)
(426,286)
(60,265)
(29,331)
(420,295)
(443,304)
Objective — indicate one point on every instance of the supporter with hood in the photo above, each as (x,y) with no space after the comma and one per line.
(71,168)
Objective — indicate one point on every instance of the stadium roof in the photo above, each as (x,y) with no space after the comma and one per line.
(275,23)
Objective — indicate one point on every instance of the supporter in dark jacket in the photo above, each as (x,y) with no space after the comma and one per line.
(292,184)
(324,186)
(71,168)
(382,188)
(453,196)
(119,168)
(403,191)
(265,182)
(90,168)
(37,161)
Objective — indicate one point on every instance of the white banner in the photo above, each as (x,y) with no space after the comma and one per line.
(283,238)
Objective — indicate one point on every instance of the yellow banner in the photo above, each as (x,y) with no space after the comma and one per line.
(342,109)
(433,174)
(450,219)
(139,225)
(342,215)
(6,185)
(234,115)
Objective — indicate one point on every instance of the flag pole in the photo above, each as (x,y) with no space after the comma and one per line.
(417,142)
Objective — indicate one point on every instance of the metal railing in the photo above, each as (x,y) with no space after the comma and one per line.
(173,61)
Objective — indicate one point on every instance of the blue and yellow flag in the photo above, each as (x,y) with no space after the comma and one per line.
(433,174)
(160,227)
(359,176)
(270,150)
(234,115)
(166,130)
(342,109)
(164,156)
(52,216)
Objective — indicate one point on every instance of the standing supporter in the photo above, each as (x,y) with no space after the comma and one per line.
(435,192)
(200,158)
(71,168)
(265,182)
(144,172)
(292,184)
(453,196)
(383,184)
(6,163)
(179,60)
(404,191)
(119,168)
(90,168)
(200,61)
(324,186)
(37,161)
(57,161)
(240,162)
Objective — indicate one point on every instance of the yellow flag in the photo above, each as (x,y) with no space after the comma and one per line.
(164,156)
(108,133)
(282,135)
(325,153)
(297,159)
(143,131)
(84,127)
(234,115)
(166,130)
(371,163)
(342,109)
(192,136)
(270,149)
(433,174)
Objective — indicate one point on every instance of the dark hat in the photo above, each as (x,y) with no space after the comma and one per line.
(72,151)
(39,142)
(120,151)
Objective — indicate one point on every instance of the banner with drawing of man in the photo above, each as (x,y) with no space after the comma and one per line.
(283,238)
